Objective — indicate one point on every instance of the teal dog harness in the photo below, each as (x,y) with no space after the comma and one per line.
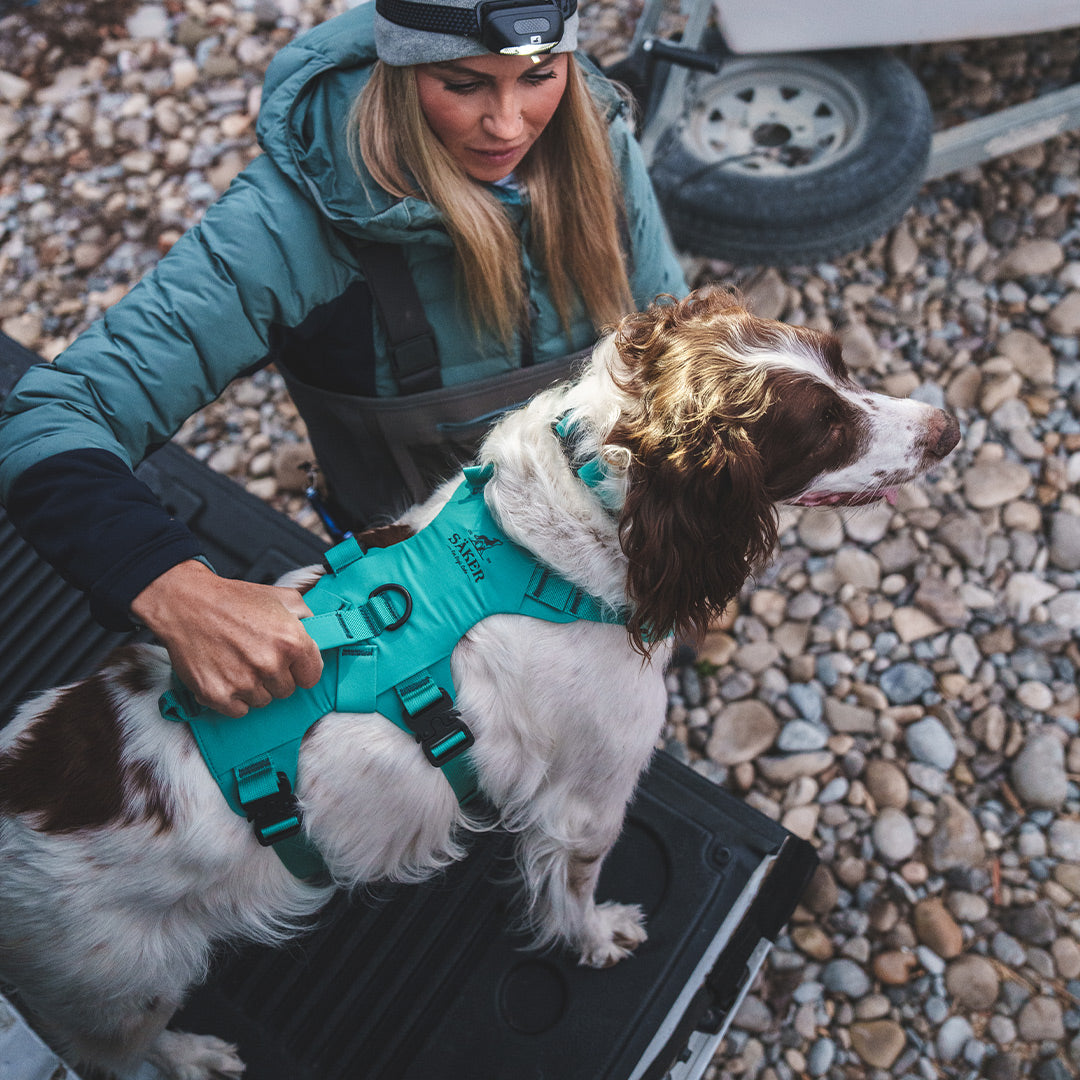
(386,622)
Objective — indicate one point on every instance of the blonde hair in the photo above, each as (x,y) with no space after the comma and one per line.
(574,193)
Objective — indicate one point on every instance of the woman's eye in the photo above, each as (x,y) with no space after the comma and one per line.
(541,77)
(462,88)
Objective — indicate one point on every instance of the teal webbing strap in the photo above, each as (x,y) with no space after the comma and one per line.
(418,693)
(354,623)
(558,594)
(476,476)
(342,555)
(593,472)
(266,796)
(439,729)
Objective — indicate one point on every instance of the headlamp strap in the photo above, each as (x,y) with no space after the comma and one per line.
(434,18)
(486,21)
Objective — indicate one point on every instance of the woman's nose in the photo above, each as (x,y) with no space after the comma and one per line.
(503,120)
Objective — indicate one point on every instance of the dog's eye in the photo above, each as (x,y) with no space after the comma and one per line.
(833,423)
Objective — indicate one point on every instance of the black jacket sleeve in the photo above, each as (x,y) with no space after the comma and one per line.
(106,533)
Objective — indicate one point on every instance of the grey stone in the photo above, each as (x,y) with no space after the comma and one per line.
(808,700)
(930,742)
(1065,541)
(1008,950)
(894,836)
(1005,1066)
(995,483)
(799,735)
(1033,923)
(845,977)
(1041,1019)
(956,840)
(821,1057)
(1064,610)
(1038,772)
(952,1037)
(965,536)
(742,731)
(1064,837)
(906,683)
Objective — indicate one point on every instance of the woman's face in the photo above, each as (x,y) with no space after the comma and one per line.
(489,110)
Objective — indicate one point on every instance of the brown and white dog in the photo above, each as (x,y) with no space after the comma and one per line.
(120,863)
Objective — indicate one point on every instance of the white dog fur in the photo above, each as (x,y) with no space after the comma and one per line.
(120,863)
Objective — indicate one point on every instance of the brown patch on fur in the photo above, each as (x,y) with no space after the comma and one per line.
(65,770)
(809,430)
(156,806)
(128,669)
(383,536)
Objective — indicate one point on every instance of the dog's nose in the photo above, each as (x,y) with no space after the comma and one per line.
(944,434)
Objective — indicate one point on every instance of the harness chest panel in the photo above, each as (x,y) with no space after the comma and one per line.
(387,623)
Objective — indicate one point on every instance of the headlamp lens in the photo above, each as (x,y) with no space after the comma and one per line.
(519,29)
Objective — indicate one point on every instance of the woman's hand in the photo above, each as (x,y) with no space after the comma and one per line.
(234,644)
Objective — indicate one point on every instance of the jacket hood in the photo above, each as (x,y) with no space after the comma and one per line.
(308,92)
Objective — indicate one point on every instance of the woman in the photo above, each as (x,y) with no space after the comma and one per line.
(508,186)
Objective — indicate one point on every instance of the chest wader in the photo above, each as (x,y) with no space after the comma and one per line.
(387,622)
(378,455)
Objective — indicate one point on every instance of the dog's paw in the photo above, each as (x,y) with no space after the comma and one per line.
(182,1056)
(616,930)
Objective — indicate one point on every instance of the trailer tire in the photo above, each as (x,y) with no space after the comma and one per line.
(793,158)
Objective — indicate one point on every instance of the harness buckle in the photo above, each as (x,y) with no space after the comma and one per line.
(440,731)
(275,816)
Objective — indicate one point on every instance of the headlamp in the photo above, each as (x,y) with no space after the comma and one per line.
(509,27)
(514,29)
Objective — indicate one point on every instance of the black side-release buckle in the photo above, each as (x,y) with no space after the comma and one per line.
(440,731)
(275,816)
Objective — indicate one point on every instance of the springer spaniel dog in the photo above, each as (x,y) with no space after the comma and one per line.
(121,866)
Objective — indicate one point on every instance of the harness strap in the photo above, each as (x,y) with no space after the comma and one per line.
(354,623)
(558,594)
(592,472)
(442,734)
(267,799)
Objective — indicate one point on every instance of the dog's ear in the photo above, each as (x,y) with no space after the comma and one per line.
(694,527)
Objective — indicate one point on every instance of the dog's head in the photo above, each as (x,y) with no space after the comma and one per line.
(730,415)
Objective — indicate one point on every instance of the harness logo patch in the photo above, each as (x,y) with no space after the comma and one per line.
(469,550)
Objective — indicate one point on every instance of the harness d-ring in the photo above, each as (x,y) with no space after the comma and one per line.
(392,586)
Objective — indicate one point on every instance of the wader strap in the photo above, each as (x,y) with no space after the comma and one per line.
(414,358)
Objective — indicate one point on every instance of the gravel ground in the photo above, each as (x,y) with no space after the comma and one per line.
(901,685)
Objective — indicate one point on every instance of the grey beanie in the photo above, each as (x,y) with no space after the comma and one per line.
(400,45)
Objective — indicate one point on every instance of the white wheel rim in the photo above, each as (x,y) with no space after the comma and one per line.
(764,118)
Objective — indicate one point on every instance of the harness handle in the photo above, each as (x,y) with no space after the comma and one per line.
(354,623)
